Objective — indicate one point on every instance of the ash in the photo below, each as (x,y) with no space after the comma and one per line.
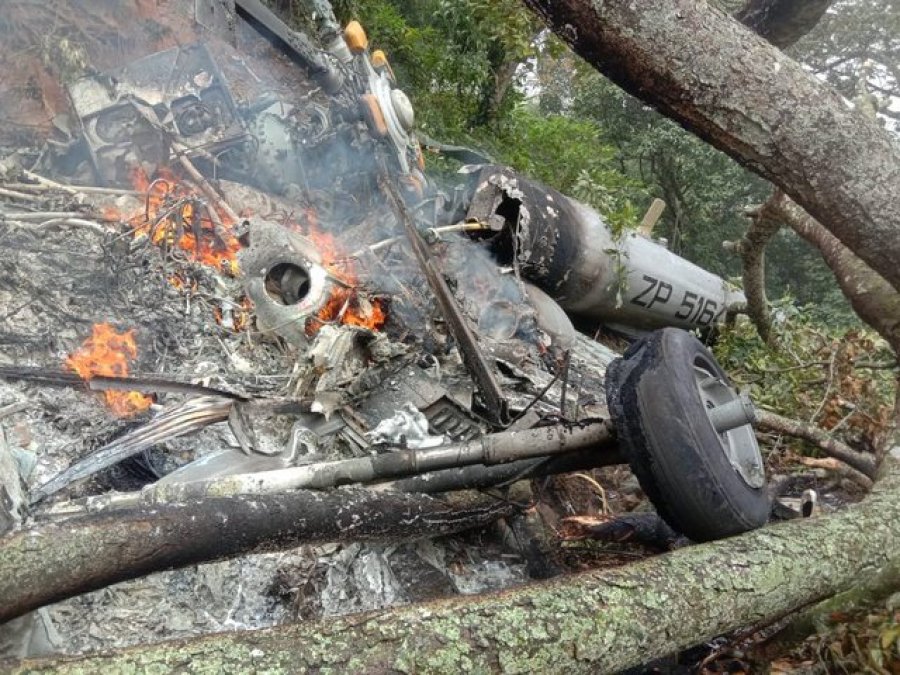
(363,340)
(56,282)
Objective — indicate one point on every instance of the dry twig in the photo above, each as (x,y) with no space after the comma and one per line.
(839,468)
(769,421)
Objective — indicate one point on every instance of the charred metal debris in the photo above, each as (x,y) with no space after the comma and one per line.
(305,306)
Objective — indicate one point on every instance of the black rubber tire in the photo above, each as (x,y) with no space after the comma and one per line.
(673,449)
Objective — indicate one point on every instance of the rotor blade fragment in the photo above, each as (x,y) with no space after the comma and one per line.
(187,417)
(472,355)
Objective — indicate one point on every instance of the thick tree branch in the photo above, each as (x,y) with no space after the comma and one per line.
(598,621)
(782,22)
(752,248)
(50,562)
(741,94)
(832,447)
(873,299)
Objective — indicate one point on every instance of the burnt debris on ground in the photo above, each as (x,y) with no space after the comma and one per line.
(225,276)
(204,274)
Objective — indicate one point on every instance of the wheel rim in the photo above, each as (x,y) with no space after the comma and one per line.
(738,444)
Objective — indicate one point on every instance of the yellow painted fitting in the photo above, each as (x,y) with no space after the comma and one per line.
(355,37)
(420,157)
(379,59)
(413,185)
(373,114)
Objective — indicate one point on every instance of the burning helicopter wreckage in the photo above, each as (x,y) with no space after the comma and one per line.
(293,273)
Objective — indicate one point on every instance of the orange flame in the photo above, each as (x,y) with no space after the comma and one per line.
(168,219)
(171,216)
(107,352)
(343,305)
(240,315)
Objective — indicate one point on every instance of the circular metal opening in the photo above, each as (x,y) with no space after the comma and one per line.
(739,443)
(287,283)
(499,320)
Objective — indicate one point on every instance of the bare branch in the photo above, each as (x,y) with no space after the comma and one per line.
(839,468)
(832,447)
(753,259)
(53,561)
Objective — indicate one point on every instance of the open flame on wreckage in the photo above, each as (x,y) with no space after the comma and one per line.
(182,223)
(108,352)
(401,314)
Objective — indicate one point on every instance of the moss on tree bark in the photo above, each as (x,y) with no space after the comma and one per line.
(597,621)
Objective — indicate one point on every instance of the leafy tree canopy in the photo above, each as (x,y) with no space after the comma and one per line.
(563,123)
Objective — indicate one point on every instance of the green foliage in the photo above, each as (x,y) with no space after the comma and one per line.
(580,134)
(432,69)
(705,191)
(448,53)
(564,152)
(483,25)
(838,378)
(794,268)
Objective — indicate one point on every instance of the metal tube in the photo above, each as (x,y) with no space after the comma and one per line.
(492,449)
(733,414)
(482,476)
(568,250)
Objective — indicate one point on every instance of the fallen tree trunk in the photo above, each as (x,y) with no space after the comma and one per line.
(598,621)
(54,561)
(729,86)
